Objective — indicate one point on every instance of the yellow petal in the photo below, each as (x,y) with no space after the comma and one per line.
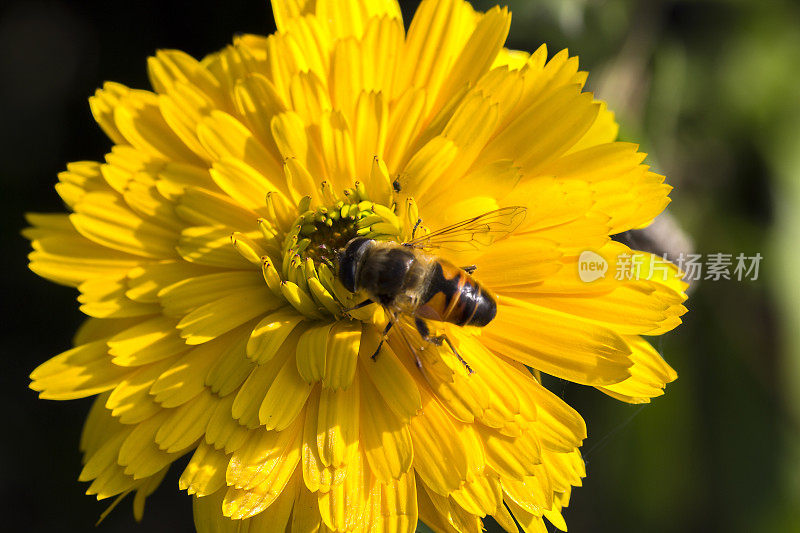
(558,426)
(257,101)
(514,457)
(145,281)
(428,165)
(225,138)
(251,394)
(311,352)
(385,439)
(223,431)
(449,513)
(649,374)
(530,523)
(406,119)
(246,185)
(103,103)
(109,477)
(310,98)
(210,246)
(369,132)
(73,259)
(504,401)
(152,340)
(139,120)
(604,130)
(382,54)
(102,218)
(183,107)
(635,308)
(262,455)
(130,401)
(544,131)
(437,34)
(104,297)
(145,488)
(47,224)
(285,10)
(99,428)
(289,131)
(469,128)
(276,492)
(559,344)
(186,424)
(337,149)
(316,476)
(139,453)
(337,426)
(79,178)
(94,329)
(201,207)
(269,335)
(185,378)
(398,508)
(478,53)
(390,377)
(440,457)
(170,66)
(349,18)
(510,262)
(77,373)
(189,294)
(342,355)
(215,318)
(205,473)
(343,506)
(232,366)
(285,398)
(480,496)
(306,518)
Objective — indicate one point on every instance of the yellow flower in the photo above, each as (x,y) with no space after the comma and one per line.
(205,250)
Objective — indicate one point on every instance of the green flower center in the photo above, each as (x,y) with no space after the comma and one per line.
(308,277)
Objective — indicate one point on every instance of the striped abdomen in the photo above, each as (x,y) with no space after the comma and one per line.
(453,296)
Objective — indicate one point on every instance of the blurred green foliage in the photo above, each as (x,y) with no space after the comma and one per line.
(710,90)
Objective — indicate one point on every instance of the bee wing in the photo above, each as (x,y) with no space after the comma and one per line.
(474,233)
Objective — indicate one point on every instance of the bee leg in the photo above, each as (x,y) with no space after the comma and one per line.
(469,269)
(410,346)
(383,339)
(359,306)
(463,362)
(425,333)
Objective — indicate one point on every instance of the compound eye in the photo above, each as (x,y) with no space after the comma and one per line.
(347,275)
(348,261)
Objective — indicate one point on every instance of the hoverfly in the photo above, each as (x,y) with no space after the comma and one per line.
(410,279)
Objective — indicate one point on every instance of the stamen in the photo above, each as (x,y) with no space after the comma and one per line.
(312,244)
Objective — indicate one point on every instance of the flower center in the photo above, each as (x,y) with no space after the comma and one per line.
(311,247)
(320,234)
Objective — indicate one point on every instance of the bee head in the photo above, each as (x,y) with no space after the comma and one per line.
(350,258)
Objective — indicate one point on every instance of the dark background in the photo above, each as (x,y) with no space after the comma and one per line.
(709,88)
